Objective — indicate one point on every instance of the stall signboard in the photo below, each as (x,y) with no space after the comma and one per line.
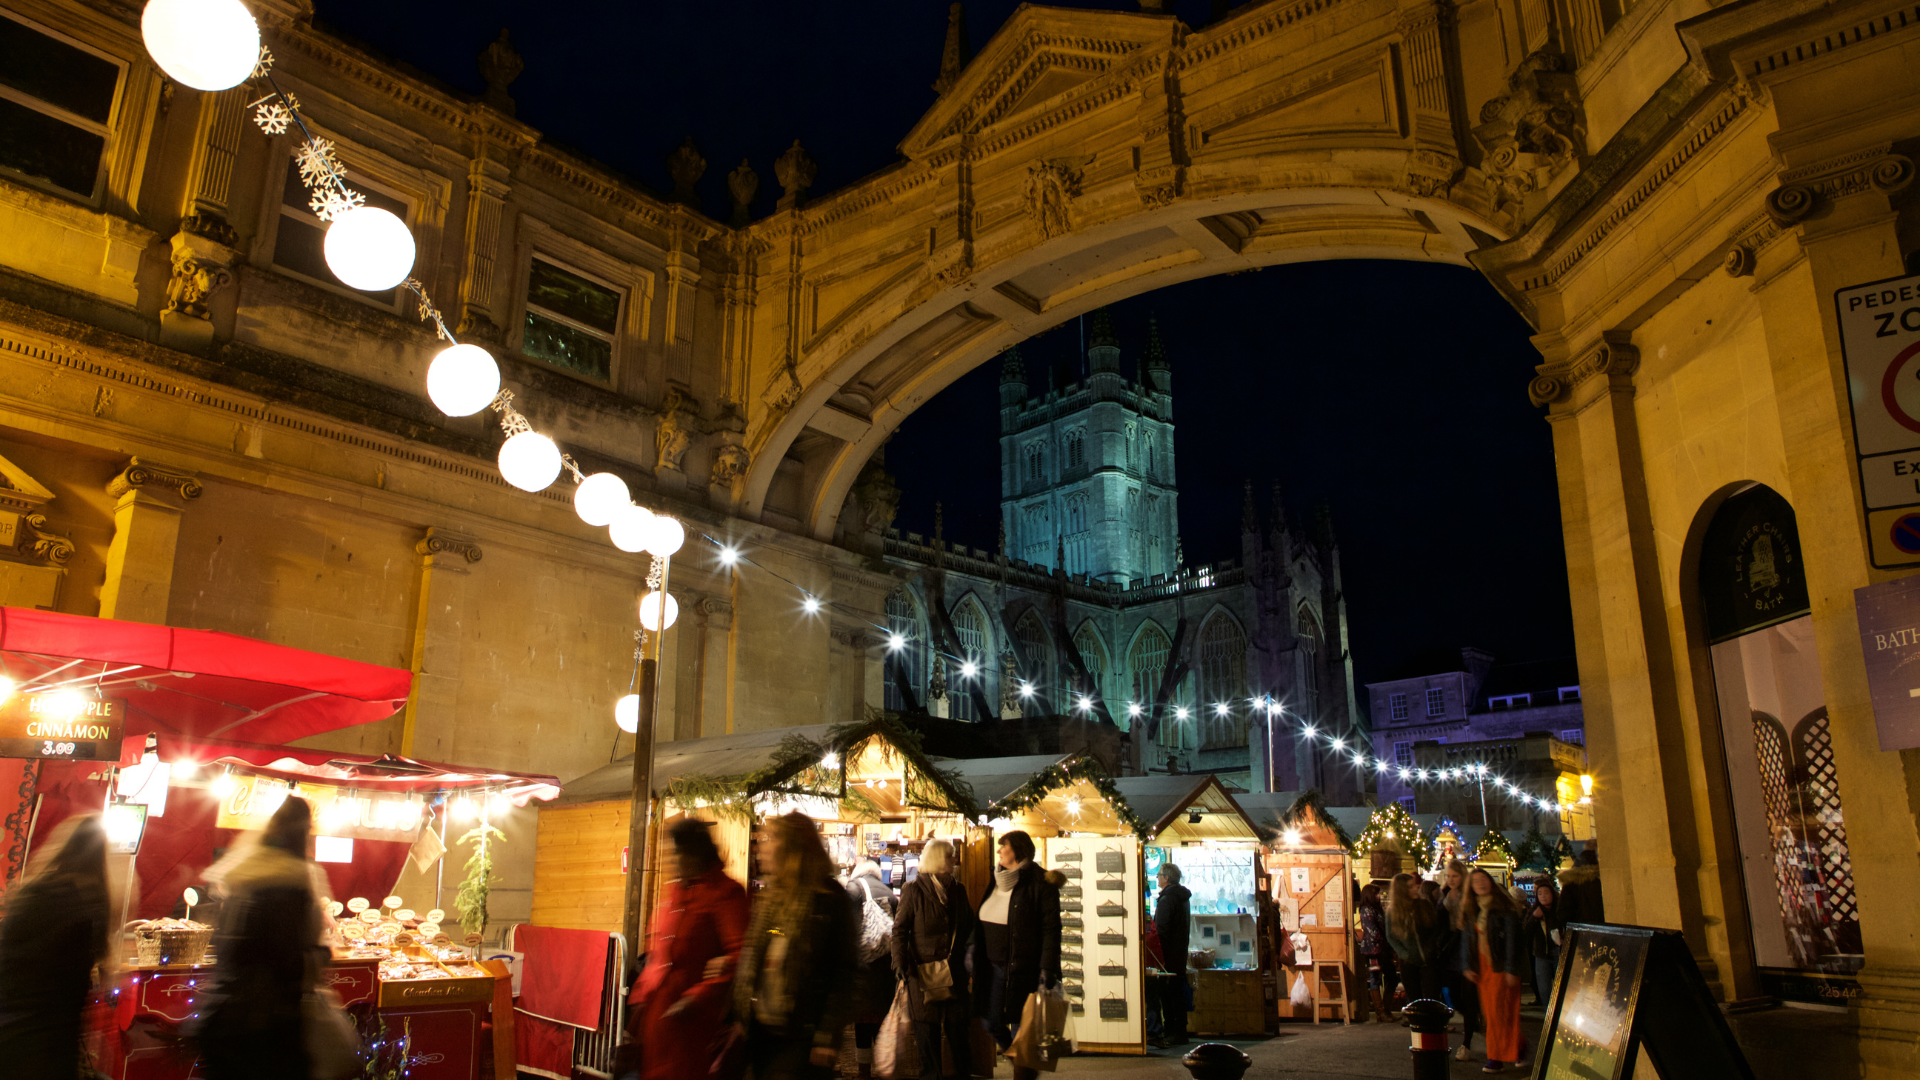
(251,800)
(61,725)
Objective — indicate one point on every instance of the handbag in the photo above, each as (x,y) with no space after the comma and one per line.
(334,1049)
(895,1054)
(876,928)
(936,976)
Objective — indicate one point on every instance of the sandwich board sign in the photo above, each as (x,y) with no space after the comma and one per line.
(1880,344)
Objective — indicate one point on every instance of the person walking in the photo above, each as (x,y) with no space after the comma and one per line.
(58,927)
(1376,954)
(679,1005)
(1173,922)
(1460,991)
(1580,899)
(873,981)
(1493,958)
(794,989)
(934,925)
(1016,942)
(1414,930)
(268,956)
(1542,932)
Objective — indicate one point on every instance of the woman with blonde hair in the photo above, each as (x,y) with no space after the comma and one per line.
(795,981)
(59,925)
(933,927)
(1493,958)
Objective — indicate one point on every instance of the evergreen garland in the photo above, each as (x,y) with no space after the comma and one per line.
(1392,822)
(1054,777)
(1532,852)
(1311,799)
(1494,843)
(471,900)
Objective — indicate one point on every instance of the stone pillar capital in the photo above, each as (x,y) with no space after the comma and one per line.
(145,476)
(442,549)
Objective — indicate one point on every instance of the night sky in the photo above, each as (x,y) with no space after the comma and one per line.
(1395,392)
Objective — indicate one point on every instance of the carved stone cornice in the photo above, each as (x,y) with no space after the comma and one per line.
(1804,190)
(1749,238)
(1613,357)
(439,543)
(146,474)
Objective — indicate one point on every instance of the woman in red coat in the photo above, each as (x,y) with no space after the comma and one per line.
(680,1003)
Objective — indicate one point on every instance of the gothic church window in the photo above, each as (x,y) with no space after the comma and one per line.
(1130,445)
(1079,541)
(906,666)
(1146,662)
(1093,656)
(297,242)
(1310,666)
(571,319)
(56,106)
(1035,653)
(1223,679)
(970,626)
(1076,448)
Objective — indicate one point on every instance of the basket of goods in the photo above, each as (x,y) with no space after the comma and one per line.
(164,942)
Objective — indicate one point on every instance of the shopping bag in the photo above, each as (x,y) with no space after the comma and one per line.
(1038,1043)
(334,1049)
(1302,996)
(895,1055)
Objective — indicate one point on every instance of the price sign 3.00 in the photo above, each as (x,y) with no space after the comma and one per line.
(61,725)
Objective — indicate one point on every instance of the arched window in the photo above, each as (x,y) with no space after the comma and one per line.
(1309,665)
(1223,681)
(1131,435)
(970,626)
(1076,448)
(1037,537)
(1093,656)
(1035,655)
(906,685)
(1146,663)
(1079,538)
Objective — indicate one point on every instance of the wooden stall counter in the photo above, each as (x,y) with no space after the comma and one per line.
(1227,1002)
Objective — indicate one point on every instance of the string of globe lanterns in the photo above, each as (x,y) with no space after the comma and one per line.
(214,45)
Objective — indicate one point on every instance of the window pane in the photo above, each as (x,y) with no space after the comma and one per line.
(47,149)
(57,73)
(573,296)
(565,346)
(297,247)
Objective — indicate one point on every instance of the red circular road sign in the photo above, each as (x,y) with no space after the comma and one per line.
(1888,384)
(1905,534)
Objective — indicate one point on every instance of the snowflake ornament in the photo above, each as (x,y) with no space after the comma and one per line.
(272,117)
(318,166)
(264,64)
(331,202)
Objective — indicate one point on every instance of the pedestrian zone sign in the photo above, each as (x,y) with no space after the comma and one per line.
(1880,343)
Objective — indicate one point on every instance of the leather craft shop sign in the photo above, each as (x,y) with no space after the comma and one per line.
(1889,615)
(61,725)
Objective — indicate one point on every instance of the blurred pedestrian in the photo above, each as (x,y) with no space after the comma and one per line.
(679,1006)
(59,926)
(934,925)
(873,981)
(796,967)
(1493,958)
(268,955)
(1173,921)
(1016,943)
(1414,931)
(1460,991)
(1580,899)
(1542,930)
(1376,954)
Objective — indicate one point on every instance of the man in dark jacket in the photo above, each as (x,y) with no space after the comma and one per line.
(1173,921)
(1580,899)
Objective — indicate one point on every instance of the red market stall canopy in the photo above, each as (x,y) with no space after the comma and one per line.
(366,775)
(201,684)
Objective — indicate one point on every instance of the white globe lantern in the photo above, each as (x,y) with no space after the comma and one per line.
(665,536)
(626,713)
(462,380)
(650,611)
(369,249)
(630,526)
(205,44)
(600,497)
(530,461)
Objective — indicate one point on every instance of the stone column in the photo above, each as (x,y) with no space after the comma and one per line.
(146,531)
(713,626)
(487,190)
(445,561)
(204,250)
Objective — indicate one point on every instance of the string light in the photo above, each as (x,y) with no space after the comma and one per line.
(812,604)
(1026,689)
(969,670)
(895,642)
(729,556)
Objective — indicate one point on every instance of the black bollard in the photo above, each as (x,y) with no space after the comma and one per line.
(1216,1061)
(1428,1019)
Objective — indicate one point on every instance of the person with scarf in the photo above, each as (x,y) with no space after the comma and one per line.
(795,984)
(935,923)
(1016,942)
(679,1006)
(58,929)
(1494,960)
(268,956)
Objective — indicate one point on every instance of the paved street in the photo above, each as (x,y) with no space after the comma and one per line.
(1363,1050)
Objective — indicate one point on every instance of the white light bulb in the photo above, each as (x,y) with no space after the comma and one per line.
(1308,731)
(205,44)
(501,804)
(1180,713)
(650,611)
(368,248)
(186,767)
(665,535)
(599,497)
(811,604)
(1134,709)
(626,713)
(895,643)
(462,380)
(530,461)
(1026,689)
(629,527)
(969,669)
(729,556)
(1220,709)
(463,809)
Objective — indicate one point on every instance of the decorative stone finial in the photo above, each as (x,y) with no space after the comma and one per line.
(500,64)
(955,54)
(1156,354)
(1101,332)
(1013,369)
(795,170)
(686,166)
(743,184)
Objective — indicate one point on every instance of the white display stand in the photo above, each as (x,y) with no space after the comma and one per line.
(1111,971)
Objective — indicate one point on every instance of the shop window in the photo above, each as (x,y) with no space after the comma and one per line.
(56,104)
(1397,706)
(298,243)
(1436,702)
(571,320)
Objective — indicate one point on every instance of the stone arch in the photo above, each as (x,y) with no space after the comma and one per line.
(1095,657)
(1312,638)
(1221,670)
(1082,158)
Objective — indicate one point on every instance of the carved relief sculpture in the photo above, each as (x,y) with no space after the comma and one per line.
(194,280)
(499,65)
(795,171)
(1051,188)
(676,430)
(729,463)
(1531,134)
(686,166)
(743,184)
